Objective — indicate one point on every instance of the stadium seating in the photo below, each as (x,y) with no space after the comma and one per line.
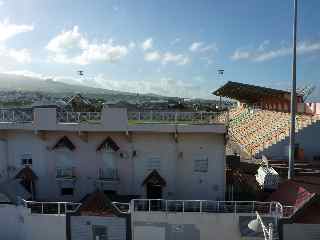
(255,129)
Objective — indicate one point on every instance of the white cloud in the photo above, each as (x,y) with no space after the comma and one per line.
(195,46)
(71,47)
(132,45)
(1,3)
(202,47)
(19,55)
(152,56)
(9,30)
(147,44)
(178,59)
(262,54)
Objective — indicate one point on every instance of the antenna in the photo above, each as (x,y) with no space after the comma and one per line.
(80,72)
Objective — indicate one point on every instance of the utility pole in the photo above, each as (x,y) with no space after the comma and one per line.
(293,96)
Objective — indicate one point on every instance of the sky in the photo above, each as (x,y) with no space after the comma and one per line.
(167,47)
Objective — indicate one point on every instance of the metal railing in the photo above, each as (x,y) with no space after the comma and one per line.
(160,205)
(77,117)
(16,115)
(163,116)
(108,174)
(65,172)
(55,208)
(122,207)
(267,231)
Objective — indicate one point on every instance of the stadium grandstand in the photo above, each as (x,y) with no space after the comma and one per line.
(259,124)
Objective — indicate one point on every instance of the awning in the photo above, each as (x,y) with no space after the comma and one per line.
(64,142)
(154,178)
(26,174)
(108,142)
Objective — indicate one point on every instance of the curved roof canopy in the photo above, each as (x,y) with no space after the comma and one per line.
(248,93)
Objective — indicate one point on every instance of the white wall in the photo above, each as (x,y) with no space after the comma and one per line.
(81,227)
(185,226)
(177,160)
(17,223)
(301,231)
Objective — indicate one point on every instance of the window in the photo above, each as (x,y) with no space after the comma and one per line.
(200,164)
(99,232)
(66,191)
(153,163)
(26,159)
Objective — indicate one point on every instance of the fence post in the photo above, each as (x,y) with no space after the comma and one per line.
(200,206)
(166,205)
(218,205)
(42,208)
(235,207)
(59,210)
(149,205)
(183,206)
(253,207)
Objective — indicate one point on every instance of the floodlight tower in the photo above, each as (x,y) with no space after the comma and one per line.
(293,96)
(220,73)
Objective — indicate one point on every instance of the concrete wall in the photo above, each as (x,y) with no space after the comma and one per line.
(17,223)
(176,162)
(301,231)
(81,227)
(185,226)
(306,140)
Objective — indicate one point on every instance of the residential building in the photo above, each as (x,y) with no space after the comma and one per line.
(73,154)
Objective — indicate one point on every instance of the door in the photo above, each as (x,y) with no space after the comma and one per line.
(154,191)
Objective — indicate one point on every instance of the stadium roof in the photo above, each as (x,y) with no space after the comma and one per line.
(247,92)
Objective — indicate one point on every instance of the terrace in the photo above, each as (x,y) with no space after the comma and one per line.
(18,115)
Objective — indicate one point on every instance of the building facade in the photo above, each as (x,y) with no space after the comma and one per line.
(72,159)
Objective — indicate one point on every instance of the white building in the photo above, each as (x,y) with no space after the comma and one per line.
(70,158)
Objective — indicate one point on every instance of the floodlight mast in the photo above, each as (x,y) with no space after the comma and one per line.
(293,107)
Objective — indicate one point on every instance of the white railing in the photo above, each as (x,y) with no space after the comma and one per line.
(76,117)
(122,207)
(65,172)
(149,205)
(267,231)
(16,115)
(163,116)
(57,208)
(108,174)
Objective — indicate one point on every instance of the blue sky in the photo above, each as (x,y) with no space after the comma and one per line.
(167,47)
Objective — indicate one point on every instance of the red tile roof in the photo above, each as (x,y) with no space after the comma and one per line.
(97,204)
(26,174)
(293,192)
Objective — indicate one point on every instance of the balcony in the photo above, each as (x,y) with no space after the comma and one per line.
(108,179)
(66,173)
(108,174)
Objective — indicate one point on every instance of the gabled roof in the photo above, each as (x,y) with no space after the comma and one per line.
(97,204)
(64,142)
(108,142)
(154,178)
(27,174)
(247,92)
